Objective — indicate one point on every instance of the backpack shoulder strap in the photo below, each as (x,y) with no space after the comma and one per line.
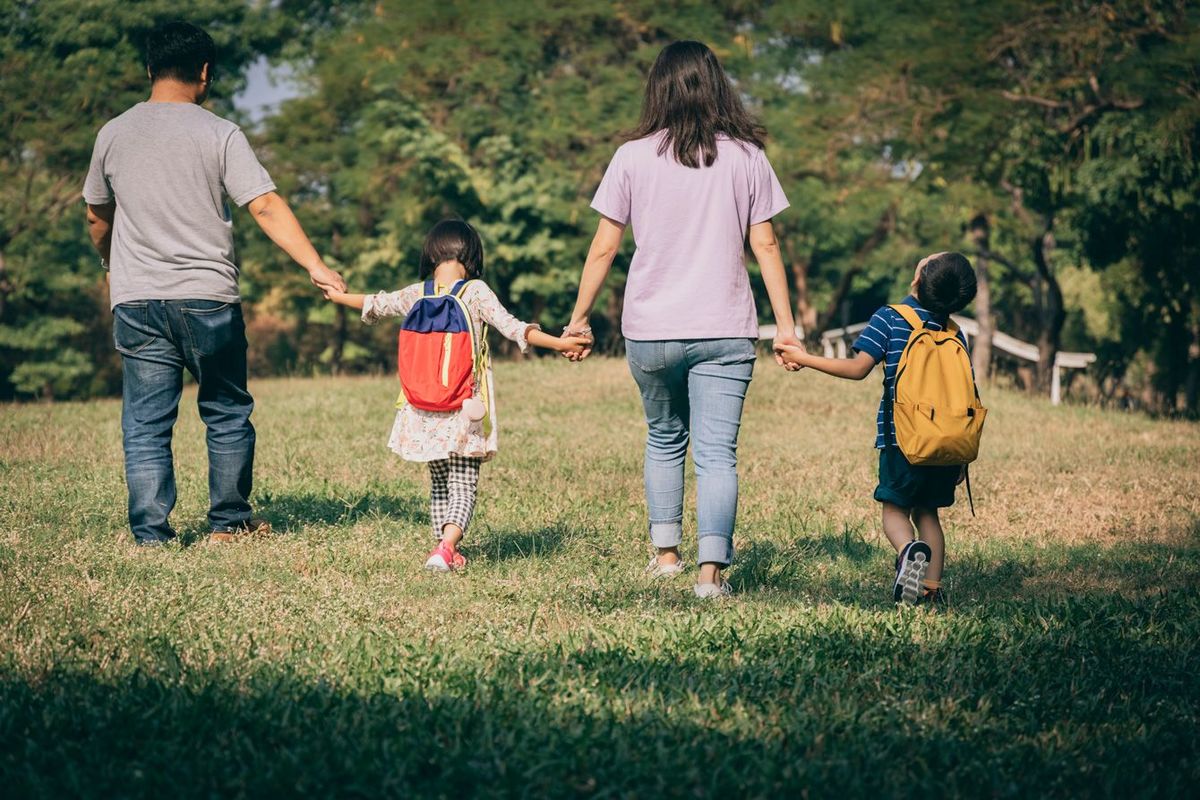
(429,290)
(460,288)
(910,315)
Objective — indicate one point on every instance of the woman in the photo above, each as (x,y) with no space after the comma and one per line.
(693,181)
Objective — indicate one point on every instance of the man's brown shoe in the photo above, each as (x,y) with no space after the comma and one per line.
(254,529)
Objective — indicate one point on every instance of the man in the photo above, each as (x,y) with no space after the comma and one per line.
(157,192)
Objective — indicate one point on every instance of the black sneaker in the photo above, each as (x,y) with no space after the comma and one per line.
(911,565)
(933,598)
(251,529)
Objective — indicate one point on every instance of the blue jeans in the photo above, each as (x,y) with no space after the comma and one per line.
(158,340)
(693,390)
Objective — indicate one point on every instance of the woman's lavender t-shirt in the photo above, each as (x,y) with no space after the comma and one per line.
(688,276)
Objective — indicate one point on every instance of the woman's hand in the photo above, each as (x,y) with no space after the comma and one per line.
(579,330)
(792,357)
(575,347)
(789,343)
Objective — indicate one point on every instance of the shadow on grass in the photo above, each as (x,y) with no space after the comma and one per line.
(789,565)
(1124,569)
(820,708)
(507,545)
(290,511)
(974,579)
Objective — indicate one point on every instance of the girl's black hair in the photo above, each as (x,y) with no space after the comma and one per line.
(452,240)
(947,284)
(689,96)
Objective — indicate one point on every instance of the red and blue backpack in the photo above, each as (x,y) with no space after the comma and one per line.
(437,351)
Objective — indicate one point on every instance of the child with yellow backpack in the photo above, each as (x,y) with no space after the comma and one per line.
(930,418)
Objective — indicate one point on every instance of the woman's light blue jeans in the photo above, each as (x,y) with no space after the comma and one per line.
(693,390)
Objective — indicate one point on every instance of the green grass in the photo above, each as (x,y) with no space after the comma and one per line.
(324,660)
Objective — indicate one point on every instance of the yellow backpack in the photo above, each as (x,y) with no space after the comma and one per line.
(936,408)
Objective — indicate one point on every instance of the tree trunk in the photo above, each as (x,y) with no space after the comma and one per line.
(616,304)
(806,313)
(835,303)
(339,340)
(1192,387)
(981,351)
(1051,313)
(340,327)
(883,229)
(5,287)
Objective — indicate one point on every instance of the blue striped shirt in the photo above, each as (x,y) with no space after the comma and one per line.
(884,340)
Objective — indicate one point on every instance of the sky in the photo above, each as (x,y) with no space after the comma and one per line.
(266,87)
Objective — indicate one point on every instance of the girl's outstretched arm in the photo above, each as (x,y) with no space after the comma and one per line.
(524,334)
(344,299)
(380,305)
(854,369)
(571,345)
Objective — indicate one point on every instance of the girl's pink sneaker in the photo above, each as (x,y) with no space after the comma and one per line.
(443,559)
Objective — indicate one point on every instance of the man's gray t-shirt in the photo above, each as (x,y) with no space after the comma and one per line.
(171,167)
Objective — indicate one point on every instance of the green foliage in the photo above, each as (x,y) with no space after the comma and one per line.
(1071,128)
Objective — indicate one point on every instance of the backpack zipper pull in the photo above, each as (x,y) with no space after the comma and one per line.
(446,342)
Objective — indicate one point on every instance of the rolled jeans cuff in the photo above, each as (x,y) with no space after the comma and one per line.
(714,548)
(666,534)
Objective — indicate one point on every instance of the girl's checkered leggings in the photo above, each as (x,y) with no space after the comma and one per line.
(453,483)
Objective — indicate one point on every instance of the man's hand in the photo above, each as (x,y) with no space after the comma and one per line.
(326,279)
(100,225)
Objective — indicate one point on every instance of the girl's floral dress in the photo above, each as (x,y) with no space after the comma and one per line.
(419,435)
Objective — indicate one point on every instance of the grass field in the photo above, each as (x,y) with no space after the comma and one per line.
(325,661)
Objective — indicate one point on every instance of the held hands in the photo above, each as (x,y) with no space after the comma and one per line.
(578,331)
(326,280)
(789,352)
(575,347)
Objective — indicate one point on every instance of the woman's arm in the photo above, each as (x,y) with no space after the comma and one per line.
(765,247)
(605,245)
(854,369)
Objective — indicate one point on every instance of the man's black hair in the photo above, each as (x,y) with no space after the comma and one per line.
(179,50)
(947,284)
(452,240)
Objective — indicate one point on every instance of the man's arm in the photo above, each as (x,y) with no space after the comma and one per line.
(100,223)
(275,217)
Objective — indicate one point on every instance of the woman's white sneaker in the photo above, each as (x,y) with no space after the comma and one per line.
(712,591)
(656,569)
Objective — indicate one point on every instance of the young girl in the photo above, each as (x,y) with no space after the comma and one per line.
(453,443)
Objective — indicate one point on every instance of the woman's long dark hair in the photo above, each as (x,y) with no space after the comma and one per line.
(689,96)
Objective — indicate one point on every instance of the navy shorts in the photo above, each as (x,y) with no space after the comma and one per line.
(910,486)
